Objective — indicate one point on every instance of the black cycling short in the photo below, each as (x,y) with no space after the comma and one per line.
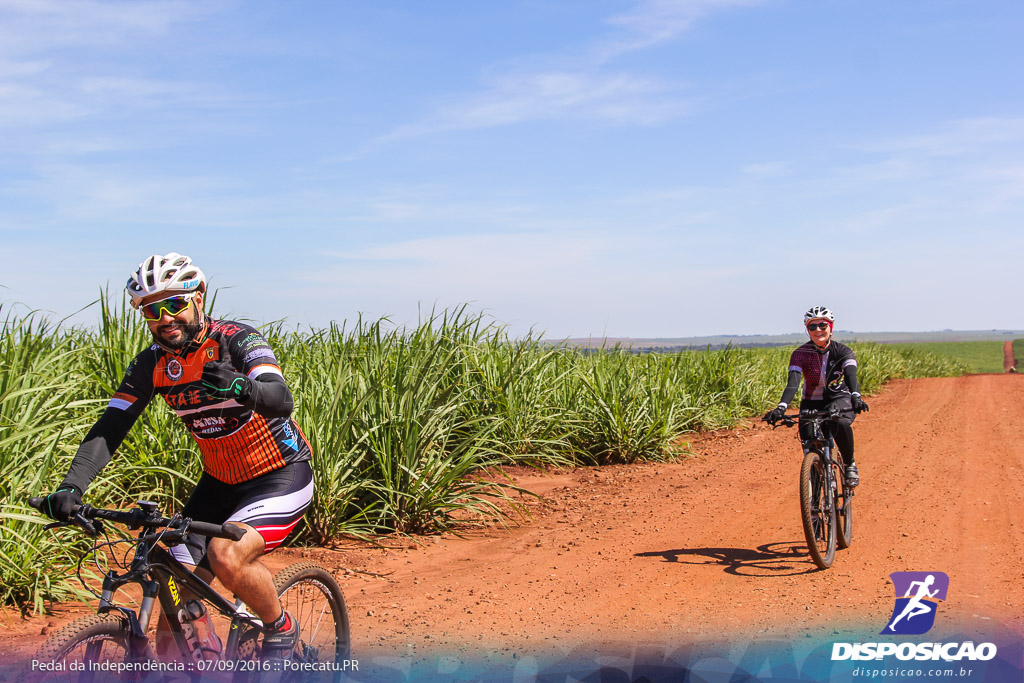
(272,504)
(842,431)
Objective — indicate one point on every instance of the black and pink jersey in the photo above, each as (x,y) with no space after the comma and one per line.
(236,443)
(823,372)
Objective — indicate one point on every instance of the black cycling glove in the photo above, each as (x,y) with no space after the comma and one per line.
(61,503)
(222,381)
(774,415)
(859,406)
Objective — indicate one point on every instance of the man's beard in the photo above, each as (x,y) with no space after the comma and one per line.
(189,332)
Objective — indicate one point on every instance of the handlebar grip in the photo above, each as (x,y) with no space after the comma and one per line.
(37,503)
(230,531)
(89,526)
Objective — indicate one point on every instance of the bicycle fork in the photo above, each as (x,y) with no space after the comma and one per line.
(136,625)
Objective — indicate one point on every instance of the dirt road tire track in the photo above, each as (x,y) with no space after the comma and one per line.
(711,546)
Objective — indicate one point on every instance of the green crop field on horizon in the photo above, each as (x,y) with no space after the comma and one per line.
(981,356)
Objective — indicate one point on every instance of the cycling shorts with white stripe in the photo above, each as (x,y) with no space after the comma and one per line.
(272,504)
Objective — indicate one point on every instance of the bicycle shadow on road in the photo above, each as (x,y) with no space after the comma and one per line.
(783,558)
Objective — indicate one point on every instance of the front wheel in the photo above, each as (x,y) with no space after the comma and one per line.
(817,511)
(314,599)
(93,649)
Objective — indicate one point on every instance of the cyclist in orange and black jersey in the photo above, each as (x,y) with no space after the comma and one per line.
(241,435)
(224,382)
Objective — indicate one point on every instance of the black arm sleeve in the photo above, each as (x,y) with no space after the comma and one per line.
(270,396)
(850,375)
(792,384)
(98,447)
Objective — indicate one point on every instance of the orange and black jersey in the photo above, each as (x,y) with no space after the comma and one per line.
(237,441)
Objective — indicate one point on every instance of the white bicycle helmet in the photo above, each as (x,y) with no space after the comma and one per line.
(818,312)
(168,274)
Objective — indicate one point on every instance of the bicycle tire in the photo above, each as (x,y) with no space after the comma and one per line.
(843,504)
(90,641)
(818,516)
(313,597)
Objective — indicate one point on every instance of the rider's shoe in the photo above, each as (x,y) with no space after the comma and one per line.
(852,476)
(281,644)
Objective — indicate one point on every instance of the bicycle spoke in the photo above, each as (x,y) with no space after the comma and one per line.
(817,513)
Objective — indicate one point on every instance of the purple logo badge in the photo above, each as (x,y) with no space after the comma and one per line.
(917,599)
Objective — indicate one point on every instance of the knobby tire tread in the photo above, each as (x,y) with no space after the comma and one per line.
(825,530)
(319,578)
(92,627)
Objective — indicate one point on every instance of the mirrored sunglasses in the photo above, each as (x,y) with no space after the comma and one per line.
(174,305)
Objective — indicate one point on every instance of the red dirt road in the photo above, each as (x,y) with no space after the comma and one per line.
(711,546)
(1009,361)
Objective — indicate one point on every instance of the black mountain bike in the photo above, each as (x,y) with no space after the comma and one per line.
(826,504)
(113,644)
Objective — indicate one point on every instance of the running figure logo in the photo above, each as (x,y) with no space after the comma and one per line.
(917,599)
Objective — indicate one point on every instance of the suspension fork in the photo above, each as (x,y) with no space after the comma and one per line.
(137,623)
(830,480)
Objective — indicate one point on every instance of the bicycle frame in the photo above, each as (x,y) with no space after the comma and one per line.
(820,439)
(825,501)
(170,588)
(168,582)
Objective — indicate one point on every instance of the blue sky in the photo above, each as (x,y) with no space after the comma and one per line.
(643,168)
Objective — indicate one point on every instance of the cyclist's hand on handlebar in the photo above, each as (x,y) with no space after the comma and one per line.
(774,415)
(61,503)
(222,381)
(859,406)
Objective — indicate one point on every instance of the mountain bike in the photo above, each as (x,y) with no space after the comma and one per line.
(113,643)
(826,504)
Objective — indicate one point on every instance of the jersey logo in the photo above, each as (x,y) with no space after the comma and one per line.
(289,439)
(258,353)
(174,370)
(226,329)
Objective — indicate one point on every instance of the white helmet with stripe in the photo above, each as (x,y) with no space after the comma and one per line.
(169,274)
(819,313)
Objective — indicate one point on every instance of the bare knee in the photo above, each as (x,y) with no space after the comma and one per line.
(228,558)
(223,559)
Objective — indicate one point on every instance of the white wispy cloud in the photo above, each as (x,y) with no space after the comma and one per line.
(566,283)
(596,258)
(33,26)
(958,167)
(766,169)
(618,98)
(580,86)
(120,194)
(45,81)
(653,22)
(954,138)
(22,69)
(25,106)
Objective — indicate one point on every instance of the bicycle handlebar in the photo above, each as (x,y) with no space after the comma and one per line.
(791,419)
(138,517)
(812,414)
